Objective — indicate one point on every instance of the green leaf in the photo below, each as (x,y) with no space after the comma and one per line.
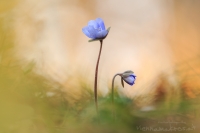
(94,40)
(108,29)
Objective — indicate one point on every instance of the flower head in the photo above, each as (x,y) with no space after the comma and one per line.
(129,77)
(126,76)
(95,30)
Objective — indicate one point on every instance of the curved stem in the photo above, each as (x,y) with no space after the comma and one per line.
(113,87)
(96,75)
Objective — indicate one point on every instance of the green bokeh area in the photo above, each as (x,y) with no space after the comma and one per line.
(25,106)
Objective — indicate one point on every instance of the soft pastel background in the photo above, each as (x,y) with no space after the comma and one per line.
(47,65)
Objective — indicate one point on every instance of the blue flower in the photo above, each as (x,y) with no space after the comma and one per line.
(95,30)
(129,77)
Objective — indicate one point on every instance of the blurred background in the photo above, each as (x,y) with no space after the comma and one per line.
(47,65)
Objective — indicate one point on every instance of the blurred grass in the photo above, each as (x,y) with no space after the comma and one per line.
(29,103)
(26,108)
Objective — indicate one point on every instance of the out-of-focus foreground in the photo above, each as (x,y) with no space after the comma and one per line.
(47,66)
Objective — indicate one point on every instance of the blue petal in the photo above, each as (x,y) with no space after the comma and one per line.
(101,34)
(133,75)
(85,31)
(101,23)
(94,24)
(130,79)
(92,31)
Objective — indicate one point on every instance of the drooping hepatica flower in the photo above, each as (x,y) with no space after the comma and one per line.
(96,30)
(129,77)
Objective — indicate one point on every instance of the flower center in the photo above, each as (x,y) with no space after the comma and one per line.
(99,29)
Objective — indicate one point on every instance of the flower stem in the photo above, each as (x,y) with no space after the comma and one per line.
(113,87)
(96,75)
(113,108)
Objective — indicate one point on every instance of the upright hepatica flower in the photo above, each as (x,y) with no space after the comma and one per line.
(96,30)
(128,76)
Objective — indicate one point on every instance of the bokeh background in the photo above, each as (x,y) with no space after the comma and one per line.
(47,65)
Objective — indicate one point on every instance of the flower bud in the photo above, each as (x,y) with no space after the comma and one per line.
(129,77)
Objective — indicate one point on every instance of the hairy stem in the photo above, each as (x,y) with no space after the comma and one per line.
(96,75)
